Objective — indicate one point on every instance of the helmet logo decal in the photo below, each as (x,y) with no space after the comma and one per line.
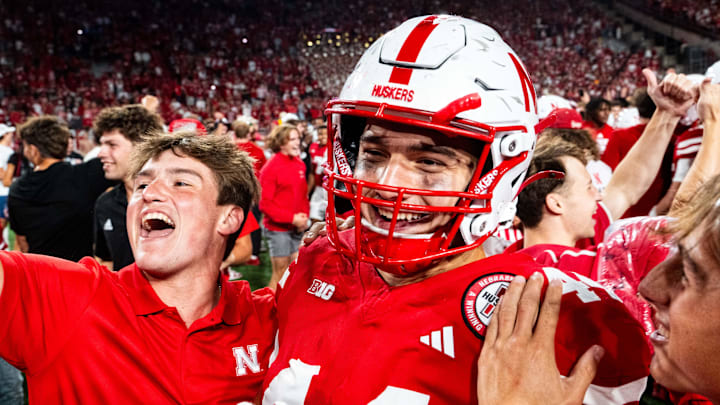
(480,299)
(395,93)
(526,84)
(411,49)
(482,185)
(342,163)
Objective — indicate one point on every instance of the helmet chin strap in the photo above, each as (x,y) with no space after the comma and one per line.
(545,174)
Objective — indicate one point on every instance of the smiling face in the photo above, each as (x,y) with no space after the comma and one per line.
(114,154)
(412,160)
(685,294)
(173,219)
(292,146)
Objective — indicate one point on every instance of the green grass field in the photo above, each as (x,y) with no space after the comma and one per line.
(257,276)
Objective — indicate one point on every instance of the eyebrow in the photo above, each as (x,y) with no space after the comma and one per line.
(421,147)
(174,170)
(693,266)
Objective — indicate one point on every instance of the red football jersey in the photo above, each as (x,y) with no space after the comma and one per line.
(686,148)
(318,156)
(86,335)
(346,337)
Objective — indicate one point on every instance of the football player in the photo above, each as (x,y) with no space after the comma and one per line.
(430,139)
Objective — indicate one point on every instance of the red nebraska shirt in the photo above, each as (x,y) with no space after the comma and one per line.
(284,192)
(346,337)
(85,335)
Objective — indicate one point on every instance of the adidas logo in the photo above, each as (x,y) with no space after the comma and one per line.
(441,340)
(108,225)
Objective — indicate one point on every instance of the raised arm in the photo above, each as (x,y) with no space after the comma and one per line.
(707,162)
(635,173)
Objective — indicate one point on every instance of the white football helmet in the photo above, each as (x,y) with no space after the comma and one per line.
(454,76)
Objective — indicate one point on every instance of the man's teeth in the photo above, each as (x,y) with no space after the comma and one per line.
(660,334)
(156,216)
(402,216)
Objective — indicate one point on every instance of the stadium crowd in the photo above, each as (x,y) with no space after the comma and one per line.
(105,116)
(256,63)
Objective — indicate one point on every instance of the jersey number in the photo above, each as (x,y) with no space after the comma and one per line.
(581,286)
(291,385)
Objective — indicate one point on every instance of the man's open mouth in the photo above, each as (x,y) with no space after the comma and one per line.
(156,224)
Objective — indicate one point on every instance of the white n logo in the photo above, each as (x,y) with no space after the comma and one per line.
(246,359)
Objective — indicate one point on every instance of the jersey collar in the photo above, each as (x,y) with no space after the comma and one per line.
(232,308)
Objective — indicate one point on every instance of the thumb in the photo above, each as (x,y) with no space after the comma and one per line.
(650,77)
(584,372)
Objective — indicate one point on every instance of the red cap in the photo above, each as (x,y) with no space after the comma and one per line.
(187,124)
(566,118)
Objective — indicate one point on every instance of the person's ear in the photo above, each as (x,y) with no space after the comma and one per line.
(230,220)
(554,203)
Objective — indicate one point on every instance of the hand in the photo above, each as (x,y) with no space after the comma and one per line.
(227,262)
(674,94)
(300,221)
(517,365)
(319,229)
(709,102)
(150,102)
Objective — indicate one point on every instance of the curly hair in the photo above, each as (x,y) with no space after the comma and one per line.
(133,121)
(48,133)
(279,137)
(579,137)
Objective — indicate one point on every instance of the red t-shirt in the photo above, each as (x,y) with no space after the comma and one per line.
(346,337)
(621,142)
(284,192)
(86,335)
(256,153)
(600,135)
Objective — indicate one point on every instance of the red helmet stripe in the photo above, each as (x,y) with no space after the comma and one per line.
(525,83)
(411,49)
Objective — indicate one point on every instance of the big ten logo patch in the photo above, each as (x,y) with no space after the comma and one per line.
(321,289)
(480,299)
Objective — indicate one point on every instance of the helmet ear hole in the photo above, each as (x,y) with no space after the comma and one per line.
(511,145)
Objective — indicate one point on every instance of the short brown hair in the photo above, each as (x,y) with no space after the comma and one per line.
(241,129)
(280,136)
(233,168)
(579,137)
(133,121)
(548,154)
(48,134)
